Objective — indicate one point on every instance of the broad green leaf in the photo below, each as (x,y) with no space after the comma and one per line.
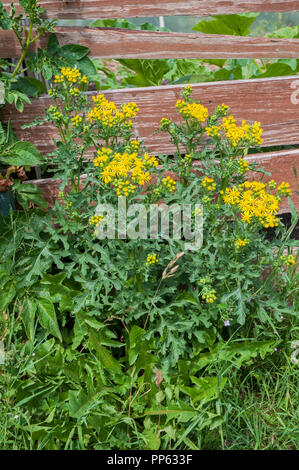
(53,44)
(291,32)
(31,86)
(80,403)
(182,411)
(87,67)
(235,352)
(276,70)
(117,23)
(47,317)
(208,388)
(107,360)
(148,72)
(23,154)
(236,25)
(28,317)
(7,293)
(74,52)
(28,192)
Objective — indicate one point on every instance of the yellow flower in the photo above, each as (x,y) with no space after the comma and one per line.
(76,120)
(243,165)
(290,260)
(165,123)
(195,111)
(244,134)
(151,259)
(208,183)
(284,189)
(208,295)
(169,184)
(96,219)
(108,115)
(254,203)
(213,131)
(239,243)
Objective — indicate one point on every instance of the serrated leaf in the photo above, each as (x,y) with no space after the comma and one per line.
(79,402)
(103,354)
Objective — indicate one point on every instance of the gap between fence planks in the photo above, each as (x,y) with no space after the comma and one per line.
(272,101)
(280,164)
(115,43)
(82,9)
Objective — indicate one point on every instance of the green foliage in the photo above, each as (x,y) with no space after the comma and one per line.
(195,71)
(144,344)
(147,72)
(235,25)
(109,347)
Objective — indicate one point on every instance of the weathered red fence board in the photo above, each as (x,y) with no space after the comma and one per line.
(116,43)
(272,101)
(79,9)
(280,164)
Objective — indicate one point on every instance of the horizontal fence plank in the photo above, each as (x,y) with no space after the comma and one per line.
(280,164)
(115,43)
(272,101)
(80,9)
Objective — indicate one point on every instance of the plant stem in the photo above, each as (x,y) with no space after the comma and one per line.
(25,48)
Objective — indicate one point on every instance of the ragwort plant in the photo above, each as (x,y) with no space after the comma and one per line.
(131,342)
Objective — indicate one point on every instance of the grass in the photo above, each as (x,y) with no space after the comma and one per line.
(262,410)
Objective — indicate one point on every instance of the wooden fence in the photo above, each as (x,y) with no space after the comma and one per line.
(272,101)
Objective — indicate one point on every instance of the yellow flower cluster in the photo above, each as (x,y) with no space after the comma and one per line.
(254,203)
(213,131)
(96,219)
(76,120)
(239,243)
(107,113)
(102,157)
(165,123)
(75,91)
(208,183)
(223,108)
(284,189)
(150,161)
(130,110)
(55,114)
(169,183)
(124,170)
(187,90)
(243,166)
(245,133)
(209,296)
(151,259)
(193,110)
(288,260)
(124,188)
(69,75)
(134,144)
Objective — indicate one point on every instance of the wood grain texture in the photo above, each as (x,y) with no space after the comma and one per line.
(79,9)
(280,164)
(115,43)
(268,100)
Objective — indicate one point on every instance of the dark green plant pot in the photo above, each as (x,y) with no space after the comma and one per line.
(7,202)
